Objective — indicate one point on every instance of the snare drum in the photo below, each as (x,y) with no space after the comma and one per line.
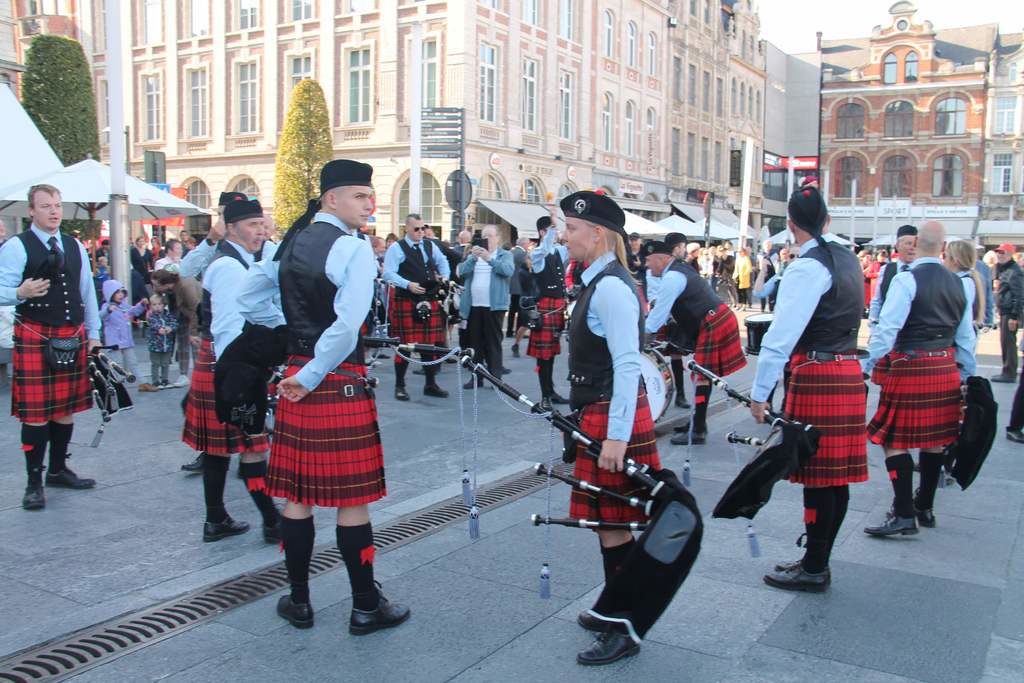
(757,325)
(657,376)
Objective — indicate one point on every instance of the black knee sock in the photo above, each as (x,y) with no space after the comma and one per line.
(842,498)
(215,473)
(819,516)
(254,474)
(401,367)
(545,373)
(60,437)
(430,370)
(297,536)
(931,470)
(33,443)
(357,549)
(901,473)
(701,396)
(678,376)
(613,558)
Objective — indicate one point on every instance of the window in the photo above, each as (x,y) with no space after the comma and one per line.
(743,46)
(359,86)
(693,8)
(1002,173)
(606,122)
(896,176)
(630,130)
(850,170)
(899,120)
(706,92)
(652,55)
(757,99)
(743,99)
(153,21)
(564,190)
(889,69)
(631,45)
(532,193)
(718,162)
(104,113)
(910,67)
(198,103)
(948,176)
(707,11)
(951,116)
(677,79)
(676,134)
(566,18)
(750,101)
(301,69)
(302,9)
(248,14)
(198,17)
(651,126)
(488,83)
(565,104)
(1006,114)
(691,95)
(530,13)
(247,186)
(247,98)
(733,97)
(490,187)
(430,199)
(430,91)
(607,34)
(752,47)
(691,153)
(705,157)
(154,112)
(197,193)
(529,103)
(1013,73)
(719,97)
(850,122)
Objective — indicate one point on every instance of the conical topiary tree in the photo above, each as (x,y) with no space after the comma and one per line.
(305,146)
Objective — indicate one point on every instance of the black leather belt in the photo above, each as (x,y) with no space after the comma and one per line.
(924,354)
(829,356)
(367,384)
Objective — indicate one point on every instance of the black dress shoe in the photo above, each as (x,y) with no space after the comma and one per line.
(387,615)
(194,467)
(215,531)
(796,579)
(558,400)
(419,371)
(469,385)
(545,404)
(683,428)
(591,623)
(608,647)
(272,534)
(925,518)
(790,566)
(515,350)
(681,402)
(683,439)
(893,525)
(401,394)
(1015,435)
(299,615)
(435,391)
(505,371)
(34,498)
(1006,379)
(66,479)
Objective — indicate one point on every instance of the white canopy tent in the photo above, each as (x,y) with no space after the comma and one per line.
(517,214)
(695,230)
(644,227)
(26,151)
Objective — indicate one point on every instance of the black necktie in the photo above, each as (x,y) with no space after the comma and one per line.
(904,268)
(56,254)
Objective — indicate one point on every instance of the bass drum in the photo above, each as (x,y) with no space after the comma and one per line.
(657,375)
(757,325)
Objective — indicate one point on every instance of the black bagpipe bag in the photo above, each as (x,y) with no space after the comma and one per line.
(241,375)
(977,431)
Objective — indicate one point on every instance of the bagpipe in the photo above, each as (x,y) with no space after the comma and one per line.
(966,455)
(788,446)
(108,388)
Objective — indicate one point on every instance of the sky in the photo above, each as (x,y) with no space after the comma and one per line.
(791,24)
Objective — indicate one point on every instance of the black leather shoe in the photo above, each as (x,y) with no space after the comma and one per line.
(893,525)
(1015,435)
(299,615)
(681,402)
(683,438)
(796,579)
(795,564)
(401,394)
(608,647)
(66,479)
(215,531)
(387,615)
(925,518)
(194,467)
(419,371)
(515,350)
(34,498)
(591,623)
(559,400)
(469,385)
(272,534)
(1006,379)
(435,391)
(545,404)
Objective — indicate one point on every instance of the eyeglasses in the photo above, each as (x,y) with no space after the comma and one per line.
(416,229)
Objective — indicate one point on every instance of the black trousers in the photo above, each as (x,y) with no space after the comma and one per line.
(513,315)
(1017,414)
(483,333)
(1008,342)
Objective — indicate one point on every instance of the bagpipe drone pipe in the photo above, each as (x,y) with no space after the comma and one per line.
(107,380)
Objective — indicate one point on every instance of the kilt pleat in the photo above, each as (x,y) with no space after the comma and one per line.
(203,431)
(545,341)
(326,449)
(830,396)
(718,343)
(404,325)
(642,447)
(38,394)
(919,406)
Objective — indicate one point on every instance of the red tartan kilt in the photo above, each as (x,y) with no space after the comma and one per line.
(920,402)
(326,448)
(404,326)
(38,394)
(718,343)
(642,447)
(545,341)
(831,397)
(203,431)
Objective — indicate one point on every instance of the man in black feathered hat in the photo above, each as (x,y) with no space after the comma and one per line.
(817,318)
(326,449)
(906,241)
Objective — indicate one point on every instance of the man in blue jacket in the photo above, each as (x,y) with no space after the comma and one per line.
(486,272)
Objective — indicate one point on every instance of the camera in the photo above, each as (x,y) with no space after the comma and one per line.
(478,240)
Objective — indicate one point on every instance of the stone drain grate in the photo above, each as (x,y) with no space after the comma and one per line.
(99,644)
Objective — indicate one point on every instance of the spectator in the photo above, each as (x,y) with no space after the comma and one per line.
(1010,302)
(142,260)
(765,272)
(486,270)
(519,258)
(990,300)
(870,267)
(116,314)
(3,232)
(183,296)
(389,240)
(156,250)
(187,241)
(172,259)
(161,333)
(742,276)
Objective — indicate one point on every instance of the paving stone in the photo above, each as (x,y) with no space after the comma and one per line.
(761,663)
(1004,660)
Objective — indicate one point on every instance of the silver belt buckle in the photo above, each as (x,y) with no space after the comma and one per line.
(350,390)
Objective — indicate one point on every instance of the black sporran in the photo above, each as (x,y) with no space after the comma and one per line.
(62,353)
